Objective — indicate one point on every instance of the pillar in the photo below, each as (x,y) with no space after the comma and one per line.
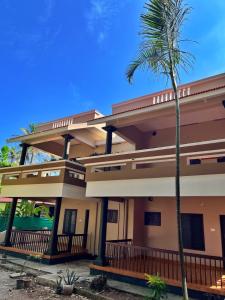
(52,250)
(7,242)
(23,153)
(66,148)
(14,201)
(101,259)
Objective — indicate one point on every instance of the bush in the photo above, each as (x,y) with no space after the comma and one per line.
(99,283)
(157,287)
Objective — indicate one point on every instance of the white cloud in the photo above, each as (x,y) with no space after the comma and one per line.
(100,16)
(48,10)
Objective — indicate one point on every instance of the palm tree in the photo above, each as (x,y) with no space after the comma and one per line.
(31,151)
(161,52)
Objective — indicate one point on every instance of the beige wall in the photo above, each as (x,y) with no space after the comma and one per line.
(83,150)
(165,236)
(121,230)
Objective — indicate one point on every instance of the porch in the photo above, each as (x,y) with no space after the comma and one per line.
(204,273)
(37,244)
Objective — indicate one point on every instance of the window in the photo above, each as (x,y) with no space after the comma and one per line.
(193,231)
(69,224)
(112,216)
(152,218)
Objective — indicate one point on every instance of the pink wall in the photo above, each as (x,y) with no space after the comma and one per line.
(195,87)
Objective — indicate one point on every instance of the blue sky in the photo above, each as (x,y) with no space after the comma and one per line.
(60,57)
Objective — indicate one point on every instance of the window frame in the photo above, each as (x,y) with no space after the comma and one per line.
(110,218)
(73,231)
(157,221)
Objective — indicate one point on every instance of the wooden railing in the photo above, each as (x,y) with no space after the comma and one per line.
(200,269)
(30,241)
(72,243)
(38,242)
(123,241)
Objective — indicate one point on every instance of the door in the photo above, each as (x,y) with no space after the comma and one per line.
(222,226)
(70,219)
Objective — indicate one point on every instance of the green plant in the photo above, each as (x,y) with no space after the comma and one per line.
(99,283)
(157,287)
(27,208)
(161,52)
(70,278)
(59,288)
(6,210)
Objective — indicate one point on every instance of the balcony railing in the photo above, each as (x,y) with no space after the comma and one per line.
(38,242)
(62,171)
(200,269)
(196,159)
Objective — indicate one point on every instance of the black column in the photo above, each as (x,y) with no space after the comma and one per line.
(14,202)
(10,223)
(67,139)
(52,250)
(23,153)
(108,146)
(101,259)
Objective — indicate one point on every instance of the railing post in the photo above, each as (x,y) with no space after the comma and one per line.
(70,242)
(66,149)
(52,250)
(86,222)
(101,259)
(10,223)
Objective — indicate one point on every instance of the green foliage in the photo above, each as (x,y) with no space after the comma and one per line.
(30,129)
(160,49)
(8,156)
(59,288)
(157,288)
(70,278)
(6,210)
(27,208)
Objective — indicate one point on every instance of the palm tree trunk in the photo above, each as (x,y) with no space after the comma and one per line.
(178,204)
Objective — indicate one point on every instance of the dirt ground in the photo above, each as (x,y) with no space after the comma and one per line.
(8,291)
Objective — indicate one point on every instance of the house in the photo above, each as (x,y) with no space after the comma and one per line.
(114,189)
(60,182)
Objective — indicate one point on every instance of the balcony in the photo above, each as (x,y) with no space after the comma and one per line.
(151,172)
(52,179)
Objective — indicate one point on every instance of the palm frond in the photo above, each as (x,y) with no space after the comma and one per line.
(161,39)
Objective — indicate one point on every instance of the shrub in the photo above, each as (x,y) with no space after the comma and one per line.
(99,283)
(157,287)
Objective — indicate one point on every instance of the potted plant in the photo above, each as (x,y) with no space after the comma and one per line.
(69,281)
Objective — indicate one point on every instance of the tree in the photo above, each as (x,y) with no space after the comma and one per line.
(28,208)
(9,156)
(161,52)
(4,156)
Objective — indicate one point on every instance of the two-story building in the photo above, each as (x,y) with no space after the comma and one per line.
(114,188)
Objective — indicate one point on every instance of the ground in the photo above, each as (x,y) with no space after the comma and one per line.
(8,291)
(47,275)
